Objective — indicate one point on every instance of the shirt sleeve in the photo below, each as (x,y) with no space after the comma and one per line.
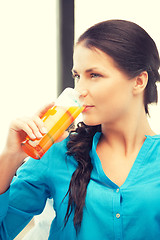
(4,198)
(25,198)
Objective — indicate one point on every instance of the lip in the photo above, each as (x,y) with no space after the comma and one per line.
(87,108)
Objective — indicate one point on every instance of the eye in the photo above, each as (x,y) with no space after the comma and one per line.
(76,77)
(95,75)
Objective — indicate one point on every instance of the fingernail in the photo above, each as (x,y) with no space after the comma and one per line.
(44,130)
(39,135)
(33,136)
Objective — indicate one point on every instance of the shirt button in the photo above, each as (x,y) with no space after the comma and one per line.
(118,215)
(117,190)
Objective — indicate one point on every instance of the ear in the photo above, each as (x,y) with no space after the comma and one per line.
(140,83)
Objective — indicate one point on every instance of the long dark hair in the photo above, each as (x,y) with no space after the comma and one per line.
(134,51)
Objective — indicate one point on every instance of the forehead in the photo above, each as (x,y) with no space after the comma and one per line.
(80,50)
(91,57)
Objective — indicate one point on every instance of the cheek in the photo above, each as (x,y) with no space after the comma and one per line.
(107,98)
(111,102)
(114,101)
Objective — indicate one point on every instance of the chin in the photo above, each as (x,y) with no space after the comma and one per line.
(89,122)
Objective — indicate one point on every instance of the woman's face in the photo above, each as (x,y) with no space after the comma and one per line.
(105,90)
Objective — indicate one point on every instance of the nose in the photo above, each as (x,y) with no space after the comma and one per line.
(82,89)
(82,93)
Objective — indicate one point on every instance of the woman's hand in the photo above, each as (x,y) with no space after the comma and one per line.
(22,127)
(32,127)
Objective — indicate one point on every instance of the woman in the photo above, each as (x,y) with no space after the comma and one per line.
(105,177)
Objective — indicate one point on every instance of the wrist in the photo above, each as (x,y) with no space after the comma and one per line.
(12,157)
(9,163)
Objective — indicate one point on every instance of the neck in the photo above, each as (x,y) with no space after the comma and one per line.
(128,134)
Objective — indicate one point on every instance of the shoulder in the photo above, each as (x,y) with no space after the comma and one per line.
(155,137)
(54,169)
(155,140)
(57,149)
(152,145)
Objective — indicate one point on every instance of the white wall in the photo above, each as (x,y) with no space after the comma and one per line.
(144,13)
(27,58)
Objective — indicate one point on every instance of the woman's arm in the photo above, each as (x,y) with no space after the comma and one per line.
(25,197)
(24,187)
(13,156)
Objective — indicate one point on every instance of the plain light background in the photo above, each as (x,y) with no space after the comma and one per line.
(28,65)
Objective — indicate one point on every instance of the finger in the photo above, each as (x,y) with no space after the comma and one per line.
(29,127)
(18,125)
(34,127)
(40,124)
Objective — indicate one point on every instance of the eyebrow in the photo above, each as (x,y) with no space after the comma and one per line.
(87,71)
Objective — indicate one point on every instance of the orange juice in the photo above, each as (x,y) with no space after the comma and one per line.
(56,120)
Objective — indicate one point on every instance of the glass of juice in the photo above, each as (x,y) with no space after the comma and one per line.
(56,120)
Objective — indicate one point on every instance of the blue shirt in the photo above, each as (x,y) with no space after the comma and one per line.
(129,212)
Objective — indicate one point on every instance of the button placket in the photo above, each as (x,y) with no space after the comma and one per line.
(117,214)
